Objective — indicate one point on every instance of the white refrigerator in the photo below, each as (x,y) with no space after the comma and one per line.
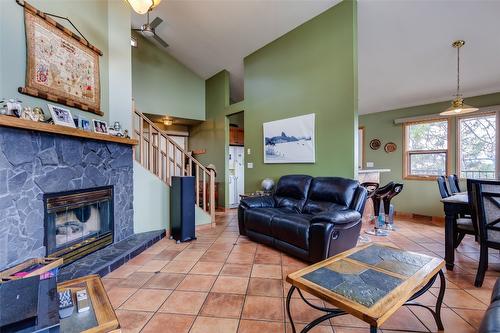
(236,174)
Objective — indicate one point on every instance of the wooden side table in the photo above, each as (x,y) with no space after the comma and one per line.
(101,318)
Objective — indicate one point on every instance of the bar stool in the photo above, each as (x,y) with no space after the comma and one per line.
(388,208)
(377,197)
(371,188)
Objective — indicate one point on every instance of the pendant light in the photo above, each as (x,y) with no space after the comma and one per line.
(458,106)
(143,6)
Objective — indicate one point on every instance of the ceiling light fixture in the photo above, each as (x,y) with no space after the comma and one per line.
(143,6)
(457,105)
(167,122)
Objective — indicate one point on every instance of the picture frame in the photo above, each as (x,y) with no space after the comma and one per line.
(100,126)
(84,124)
(290,140)
(61,116)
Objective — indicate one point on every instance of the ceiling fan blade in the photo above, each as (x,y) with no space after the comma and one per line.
(156,22)
(138,29)
(159,40)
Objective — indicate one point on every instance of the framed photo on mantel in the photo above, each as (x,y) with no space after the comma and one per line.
(290,140)
(61,66)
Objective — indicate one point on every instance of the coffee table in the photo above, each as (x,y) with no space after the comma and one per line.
(370,282)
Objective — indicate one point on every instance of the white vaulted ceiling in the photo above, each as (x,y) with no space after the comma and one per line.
(208,36)
(405,56)
(404,52)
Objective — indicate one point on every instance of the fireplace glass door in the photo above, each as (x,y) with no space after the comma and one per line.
(76,219)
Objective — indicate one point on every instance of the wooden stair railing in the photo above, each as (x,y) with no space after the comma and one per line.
(162,156)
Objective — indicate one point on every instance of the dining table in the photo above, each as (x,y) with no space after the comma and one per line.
(454,206)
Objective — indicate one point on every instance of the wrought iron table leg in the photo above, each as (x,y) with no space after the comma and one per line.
(330,313)
(436,313)
(288,298)
(439,302)
(373,329)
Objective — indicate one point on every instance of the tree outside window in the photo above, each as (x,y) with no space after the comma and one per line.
(426,149)
(477,146)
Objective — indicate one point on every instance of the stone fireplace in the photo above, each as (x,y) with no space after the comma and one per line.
(78,222)
(38,167)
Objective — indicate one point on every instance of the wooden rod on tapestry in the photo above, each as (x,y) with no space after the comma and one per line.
(21,3)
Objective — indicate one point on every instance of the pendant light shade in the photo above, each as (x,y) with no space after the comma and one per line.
(458,106)
(143,6)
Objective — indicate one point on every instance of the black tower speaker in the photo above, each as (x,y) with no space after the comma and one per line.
(182,201)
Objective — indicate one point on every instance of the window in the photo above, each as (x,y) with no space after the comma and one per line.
(477,146)
(426,149)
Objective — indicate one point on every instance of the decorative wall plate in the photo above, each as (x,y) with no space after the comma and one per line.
(375,144)
(390,147)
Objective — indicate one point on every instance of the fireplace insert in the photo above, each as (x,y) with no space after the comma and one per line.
(79,222)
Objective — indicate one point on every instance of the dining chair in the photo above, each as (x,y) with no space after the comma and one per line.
(486,207)
(454,185)
(443,189)
(463,224)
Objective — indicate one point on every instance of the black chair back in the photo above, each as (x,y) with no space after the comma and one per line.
(486,206)
(454,185)
(470,184)
(443,190)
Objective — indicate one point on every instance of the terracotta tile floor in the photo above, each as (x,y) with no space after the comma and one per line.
(226,283)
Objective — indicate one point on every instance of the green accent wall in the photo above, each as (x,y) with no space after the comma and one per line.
(311,69)
(418,196)
(212,135)
(161,85)
(152,203)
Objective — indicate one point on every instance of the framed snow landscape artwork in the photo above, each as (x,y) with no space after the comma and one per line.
(290,140)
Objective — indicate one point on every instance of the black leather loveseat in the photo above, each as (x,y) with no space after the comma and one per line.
(491,319)
(310,218)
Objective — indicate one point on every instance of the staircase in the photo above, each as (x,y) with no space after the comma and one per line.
(163,157)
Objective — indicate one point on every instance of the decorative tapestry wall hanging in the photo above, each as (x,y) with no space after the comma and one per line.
(61,66)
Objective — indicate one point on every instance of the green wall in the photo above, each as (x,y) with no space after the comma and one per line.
(161,85)
(151,201)
(311,69)
(418,196)
(212,135)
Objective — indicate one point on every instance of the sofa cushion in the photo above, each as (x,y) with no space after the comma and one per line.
(330,193)
(291,191)
(260,219)
(495,294)
(491,319)
(292,229)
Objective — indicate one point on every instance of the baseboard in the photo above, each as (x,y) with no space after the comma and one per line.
(420,217)
(203,226)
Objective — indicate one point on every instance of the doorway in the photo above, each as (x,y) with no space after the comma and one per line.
(236,159)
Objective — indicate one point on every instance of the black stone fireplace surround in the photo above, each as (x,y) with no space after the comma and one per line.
(35,164)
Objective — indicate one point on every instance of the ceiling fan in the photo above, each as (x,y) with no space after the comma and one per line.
(148,30)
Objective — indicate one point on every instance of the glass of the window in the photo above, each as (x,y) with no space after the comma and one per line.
(426,146)
(477,142)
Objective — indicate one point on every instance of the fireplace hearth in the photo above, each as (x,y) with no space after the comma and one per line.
(78,223)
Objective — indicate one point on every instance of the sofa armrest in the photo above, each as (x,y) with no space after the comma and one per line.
(359,200)
(491,320)
(266,201)
(338,217)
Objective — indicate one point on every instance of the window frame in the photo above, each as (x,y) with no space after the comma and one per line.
(407,153)
(458,151)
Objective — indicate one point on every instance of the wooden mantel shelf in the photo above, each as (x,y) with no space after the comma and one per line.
(29,125)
